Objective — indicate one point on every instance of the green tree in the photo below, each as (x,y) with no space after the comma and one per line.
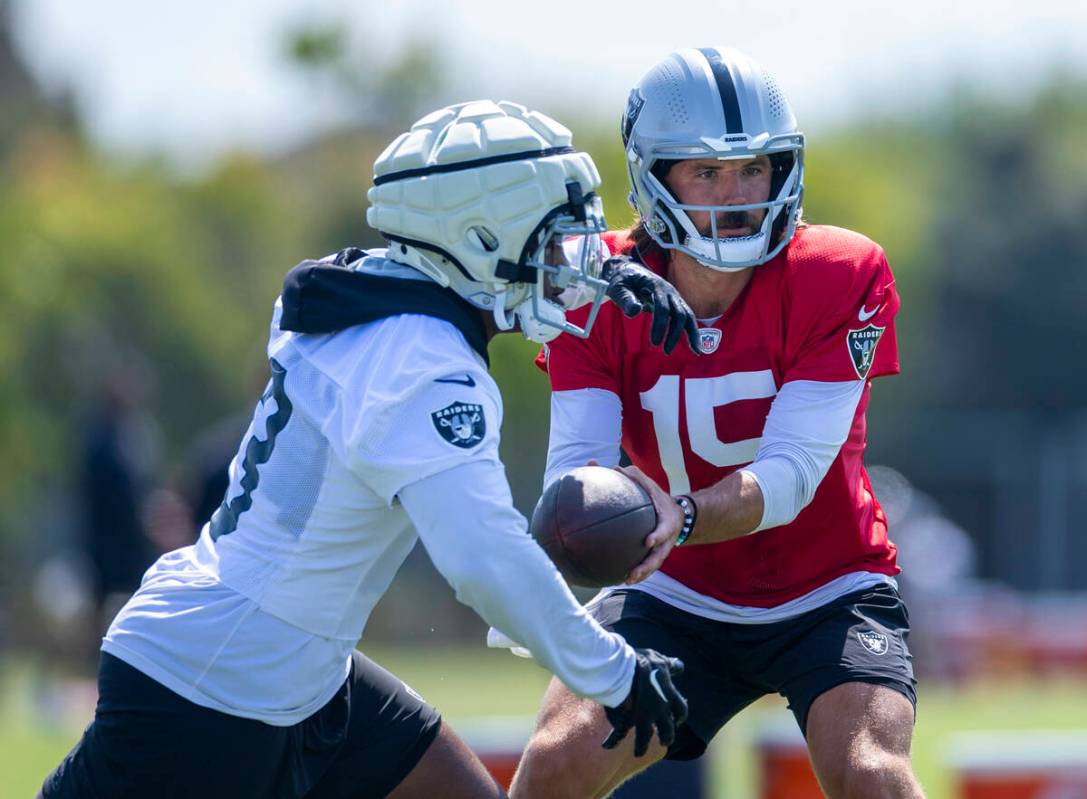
(1011,255)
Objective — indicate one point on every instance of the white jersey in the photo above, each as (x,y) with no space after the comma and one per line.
(363,439)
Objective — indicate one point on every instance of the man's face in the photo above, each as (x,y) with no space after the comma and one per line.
(710,181)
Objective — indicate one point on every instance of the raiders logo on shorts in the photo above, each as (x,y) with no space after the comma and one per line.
(461,424)
(874,642)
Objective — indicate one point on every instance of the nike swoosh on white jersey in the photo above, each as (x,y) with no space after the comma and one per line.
(467,380)
(864,315)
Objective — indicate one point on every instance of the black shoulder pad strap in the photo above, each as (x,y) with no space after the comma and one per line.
(325,298)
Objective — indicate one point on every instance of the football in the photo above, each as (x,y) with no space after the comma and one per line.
(592,523)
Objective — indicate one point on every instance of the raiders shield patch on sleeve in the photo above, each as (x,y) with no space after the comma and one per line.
(461,424)
(862,347)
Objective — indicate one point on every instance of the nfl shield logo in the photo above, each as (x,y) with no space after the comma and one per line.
(460,424)
(709,339)
(874,642)
(862,347)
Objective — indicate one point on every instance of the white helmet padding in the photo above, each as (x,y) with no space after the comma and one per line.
(479,196)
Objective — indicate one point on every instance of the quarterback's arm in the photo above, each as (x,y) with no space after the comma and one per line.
(806,427)
(586,424)
(479,542)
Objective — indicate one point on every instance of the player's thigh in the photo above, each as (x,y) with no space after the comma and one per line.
(448,769)
(388,732)
(859,734)
(855,716)
(858,638)
(564,756)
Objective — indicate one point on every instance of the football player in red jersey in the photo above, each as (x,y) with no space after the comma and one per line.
(771,570)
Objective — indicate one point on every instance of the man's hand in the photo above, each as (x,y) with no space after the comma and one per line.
(653,702)
(662,538)
(636,289)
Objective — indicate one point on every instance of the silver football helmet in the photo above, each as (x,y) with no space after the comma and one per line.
(717,103)
(482,197)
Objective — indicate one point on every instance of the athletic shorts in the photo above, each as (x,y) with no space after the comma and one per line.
(147,741)
(859,637)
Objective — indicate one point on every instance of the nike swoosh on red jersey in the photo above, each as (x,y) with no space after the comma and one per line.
(864,314)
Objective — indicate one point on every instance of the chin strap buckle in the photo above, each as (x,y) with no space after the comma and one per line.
(515,273)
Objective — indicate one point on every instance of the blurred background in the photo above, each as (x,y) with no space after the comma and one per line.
(161,167)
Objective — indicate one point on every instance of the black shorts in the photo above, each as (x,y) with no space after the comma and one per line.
(860,637)
(146,741)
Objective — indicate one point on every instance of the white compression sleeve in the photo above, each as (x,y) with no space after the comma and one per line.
(480,544)
(807,425)
(586,424)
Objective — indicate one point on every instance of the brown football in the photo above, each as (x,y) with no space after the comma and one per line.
(592,523)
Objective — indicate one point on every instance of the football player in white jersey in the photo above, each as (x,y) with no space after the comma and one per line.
(233,670)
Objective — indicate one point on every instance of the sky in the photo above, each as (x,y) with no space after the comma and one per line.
(193,79)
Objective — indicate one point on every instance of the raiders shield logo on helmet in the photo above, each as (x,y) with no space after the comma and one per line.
(634,108)
(862,347)
(461,424)
(874,642)
(709,339)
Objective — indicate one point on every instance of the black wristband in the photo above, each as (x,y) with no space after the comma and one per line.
(690,516)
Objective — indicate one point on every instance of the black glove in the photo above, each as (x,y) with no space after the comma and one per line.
(636,289)
(653,701)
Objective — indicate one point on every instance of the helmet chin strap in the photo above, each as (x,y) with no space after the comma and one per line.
(531,326)
(501,319)
(745,248)
(536,328)
(741,248)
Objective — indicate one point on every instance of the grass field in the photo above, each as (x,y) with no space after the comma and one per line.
(468,683)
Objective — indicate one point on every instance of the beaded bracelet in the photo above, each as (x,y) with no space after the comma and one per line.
(690,515)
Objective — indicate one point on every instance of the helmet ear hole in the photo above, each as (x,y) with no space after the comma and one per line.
(661,168)
(781,164)
(482,238)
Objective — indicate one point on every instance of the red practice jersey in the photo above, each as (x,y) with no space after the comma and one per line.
(814,312)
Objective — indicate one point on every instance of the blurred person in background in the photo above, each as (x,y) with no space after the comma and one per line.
(776,574)
(116,468)
(205,473)
(233,671)
(207,467)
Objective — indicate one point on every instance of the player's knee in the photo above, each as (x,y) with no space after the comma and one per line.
(547,761)
(555,764)
(872,774)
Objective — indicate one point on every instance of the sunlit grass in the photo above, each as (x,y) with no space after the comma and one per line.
(467,683)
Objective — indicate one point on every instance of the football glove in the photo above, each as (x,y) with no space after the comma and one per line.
(653,702)
(636,289)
